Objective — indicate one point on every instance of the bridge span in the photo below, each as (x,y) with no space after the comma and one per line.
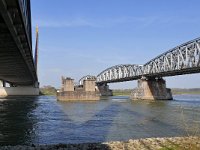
(17,66)
(183,59)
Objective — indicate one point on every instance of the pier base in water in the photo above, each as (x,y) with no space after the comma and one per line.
(151,89)
(78,96)
(104,90)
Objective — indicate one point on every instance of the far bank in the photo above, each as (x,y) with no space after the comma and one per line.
(50,90)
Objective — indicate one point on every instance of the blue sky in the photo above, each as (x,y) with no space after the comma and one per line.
(80,37)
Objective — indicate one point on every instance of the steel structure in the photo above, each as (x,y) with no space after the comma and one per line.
(183,59)
(85,78)
(16,58)
(120,73)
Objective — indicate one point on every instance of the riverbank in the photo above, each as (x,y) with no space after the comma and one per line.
(49,90)
(175,91)
(173,143)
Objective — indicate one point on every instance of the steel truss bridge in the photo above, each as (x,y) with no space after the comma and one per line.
(183,59)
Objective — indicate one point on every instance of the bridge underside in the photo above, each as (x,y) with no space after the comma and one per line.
(16,62)
(12,65)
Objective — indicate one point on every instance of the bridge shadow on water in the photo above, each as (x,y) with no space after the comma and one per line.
(91,129)
(98,127)
(43,120)
(18,125)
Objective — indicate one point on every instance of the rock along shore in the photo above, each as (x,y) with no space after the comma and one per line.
(173,143)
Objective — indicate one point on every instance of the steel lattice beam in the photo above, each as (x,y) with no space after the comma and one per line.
(183,59)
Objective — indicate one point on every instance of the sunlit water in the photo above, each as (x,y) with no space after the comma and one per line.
(44,120)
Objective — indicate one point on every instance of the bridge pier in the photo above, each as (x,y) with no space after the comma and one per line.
(104,90)
(151,89)
(18,90)
(85,92)
(2,83)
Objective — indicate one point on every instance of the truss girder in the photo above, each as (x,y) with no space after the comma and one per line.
(120,72)
(179,60)
(183,59)
(85,78)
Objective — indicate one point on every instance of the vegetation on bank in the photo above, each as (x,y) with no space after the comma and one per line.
(175,91)
(125,92)
(48,90)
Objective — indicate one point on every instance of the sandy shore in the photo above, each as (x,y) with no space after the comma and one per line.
(174,143)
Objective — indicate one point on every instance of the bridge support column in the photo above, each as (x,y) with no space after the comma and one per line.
(104,90)
(19,90)
(151,89)
(2,83)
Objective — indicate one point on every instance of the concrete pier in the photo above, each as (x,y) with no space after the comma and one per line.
(86,92)
(2,83)
(18,91)
(151,89)
(104,90)
(11,90)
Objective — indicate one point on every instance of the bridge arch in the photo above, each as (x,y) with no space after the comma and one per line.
(123,72)
(85,78)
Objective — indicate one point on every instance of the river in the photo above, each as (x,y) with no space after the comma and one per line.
(44,120)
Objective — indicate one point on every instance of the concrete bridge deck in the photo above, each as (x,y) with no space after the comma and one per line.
(17,67)
(16,60)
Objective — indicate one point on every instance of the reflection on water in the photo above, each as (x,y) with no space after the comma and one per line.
(43,120)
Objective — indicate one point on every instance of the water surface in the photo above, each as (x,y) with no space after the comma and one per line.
(44,120)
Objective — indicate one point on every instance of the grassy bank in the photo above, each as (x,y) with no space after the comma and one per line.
(125,92)
(48,90)
(175,91)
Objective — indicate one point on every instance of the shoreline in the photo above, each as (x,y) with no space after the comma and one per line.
(165,143)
